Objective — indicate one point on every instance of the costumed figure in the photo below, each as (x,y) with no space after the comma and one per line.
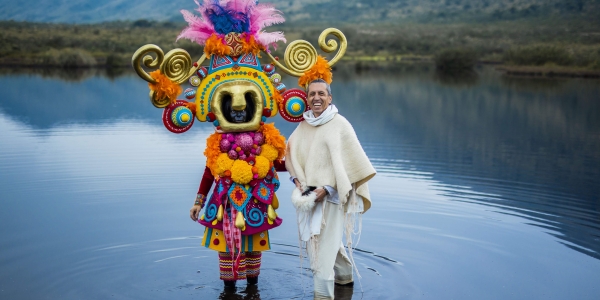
(234,92)
(330,170)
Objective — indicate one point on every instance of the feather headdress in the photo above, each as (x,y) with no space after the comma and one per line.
(238,16)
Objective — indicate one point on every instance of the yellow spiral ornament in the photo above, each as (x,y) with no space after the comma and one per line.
(331,45)
(177,65)
(300,56)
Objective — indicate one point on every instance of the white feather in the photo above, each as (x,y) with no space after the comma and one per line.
(303,203)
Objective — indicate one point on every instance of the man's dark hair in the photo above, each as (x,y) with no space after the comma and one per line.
(321,81)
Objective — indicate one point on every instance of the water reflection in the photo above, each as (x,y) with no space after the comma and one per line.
(537,149)
(69,74)
(464,78)
(486,189)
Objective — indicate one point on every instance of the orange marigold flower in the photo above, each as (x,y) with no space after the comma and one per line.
(212,152)
(215,45)
(321,70)
(164,87)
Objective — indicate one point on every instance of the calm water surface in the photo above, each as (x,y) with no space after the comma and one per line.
(487,188)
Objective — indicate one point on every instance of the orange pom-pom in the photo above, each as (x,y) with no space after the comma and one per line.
(164,87)
(215,45)
(212,152)
(227,173)
(274,138)
(321,70)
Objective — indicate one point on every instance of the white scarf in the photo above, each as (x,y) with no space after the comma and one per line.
(325,116)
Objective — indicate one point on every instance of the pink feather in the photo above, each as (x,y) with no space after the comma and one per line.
(264,15)
(198,30)
(269,38)
(259,16)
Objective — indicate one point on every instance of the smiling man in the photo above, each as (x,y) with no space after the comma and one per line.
(330,170)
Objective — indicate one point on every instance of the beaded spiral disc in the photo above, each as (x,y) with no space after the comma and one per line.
(294,105)
(178,118)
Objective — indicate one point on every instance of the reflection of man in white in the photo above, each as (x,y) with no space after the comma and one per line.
(325,156)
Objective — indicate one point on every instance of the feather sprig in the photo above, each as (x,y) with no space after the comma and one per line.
(163,87)
(320,70)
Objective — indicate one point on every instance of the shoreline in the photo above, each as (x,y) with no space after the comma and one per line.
(548,72)
(379,60)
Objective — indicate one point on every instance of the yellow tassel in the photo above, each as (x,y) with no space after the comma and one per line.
(202,217)
(275,202)
(239,220)
(271,213)
(220,213)
(215,221)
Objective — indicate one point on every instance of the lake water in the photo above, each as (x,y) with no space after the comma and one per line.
(487,188)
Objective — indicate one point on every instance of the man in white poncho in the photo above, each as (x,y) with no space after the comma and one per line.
(330,170)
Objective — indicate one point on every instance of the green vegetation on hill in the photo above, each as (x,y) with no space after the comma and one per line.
(561,42)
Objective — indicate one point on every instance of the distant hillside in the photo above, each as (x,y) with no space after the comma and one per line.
(305,11)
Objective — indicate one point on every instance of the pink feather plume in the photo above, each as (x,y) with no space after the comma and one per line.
(269,38)
(198,30)
(259,16)
(264,15)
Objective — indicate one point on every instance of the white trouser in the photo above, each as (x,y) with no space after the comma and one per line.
(333,263)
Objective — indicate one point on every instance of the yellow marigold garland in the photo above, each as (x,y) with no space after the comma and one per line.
(263,165)
(223,164)
(214,45)
(321,69)
(269,152)
(241,172)
(273,138)
(164,87)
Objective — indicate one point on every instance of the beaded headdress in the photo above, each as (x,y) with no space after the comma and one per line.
(232,33)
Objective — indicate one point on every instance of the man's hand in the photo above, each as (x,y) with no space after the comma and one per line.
(321,194)
(194,212)
(298,185)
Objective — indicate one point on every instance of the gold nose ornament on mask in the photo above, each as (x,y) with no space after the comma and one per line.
(237,90)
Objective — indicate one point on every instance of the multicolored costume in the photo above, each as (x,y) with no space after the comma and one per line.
(237,95)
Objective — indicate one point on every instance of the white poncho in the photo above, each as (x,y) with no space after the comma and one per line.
(330,154)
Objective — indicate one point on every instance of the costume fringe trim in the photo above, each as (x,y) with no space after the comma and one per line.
(353,227)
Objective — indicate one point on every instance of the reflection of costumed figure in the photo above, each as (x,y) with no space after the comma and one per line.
(237,95)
